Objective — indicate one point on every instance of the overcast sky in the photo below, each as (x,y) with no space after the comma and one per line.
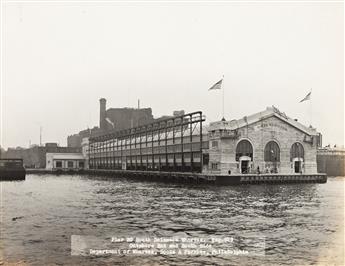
(59,59)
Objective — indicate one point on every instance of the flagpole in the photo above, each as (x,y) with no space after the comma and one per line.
(311,107)
(223,98)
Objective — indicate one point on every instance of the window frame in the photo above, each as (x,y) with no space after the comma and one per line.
(270,146)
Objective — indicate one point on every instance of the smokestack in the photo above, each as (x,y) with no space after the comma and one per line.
(138,104)
(102,113)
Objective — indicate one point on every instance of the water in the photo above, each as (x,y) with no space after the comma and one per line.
(302,223)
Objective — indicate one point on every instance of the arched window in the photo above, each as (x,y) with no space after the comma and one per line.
(297,151)
(272,152)
(244,148)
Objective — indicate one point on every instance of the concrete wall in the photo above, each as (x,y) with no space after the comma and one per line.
(331,162)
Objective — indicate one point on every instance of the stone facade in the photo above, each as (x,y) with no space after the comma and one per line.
(258,130)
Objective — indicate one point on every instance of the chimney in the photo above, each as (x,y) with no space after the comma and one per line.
(102,113)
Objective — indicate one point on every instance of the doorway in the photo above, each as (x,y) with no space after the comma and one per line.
(298,166)
(244,167)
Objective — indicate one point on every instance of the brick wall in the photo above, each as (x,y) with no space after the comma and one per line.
(124,118)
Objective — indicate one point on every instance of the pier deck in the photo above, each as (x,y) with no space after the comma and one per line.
(199,177)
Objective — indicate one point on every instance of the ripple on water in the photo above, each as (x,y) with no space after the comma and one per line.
(301,223)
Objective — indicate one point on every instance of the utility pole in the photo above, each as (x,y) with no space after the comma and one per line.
(40,135)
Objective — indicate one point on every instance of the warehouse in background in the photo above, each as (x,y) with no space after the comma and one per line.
(113,119)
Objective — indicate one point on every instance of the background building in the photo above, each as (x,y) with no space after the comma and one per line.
(331,161)
(116,119)
(75,140)
(122,118)
(85,151)
(35,156)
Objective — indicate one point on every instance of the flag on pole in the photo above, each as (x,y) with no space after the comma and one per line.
(217,86)
(306,98)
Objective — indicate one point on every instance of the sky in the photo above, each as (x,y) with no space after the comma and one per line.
(58,59)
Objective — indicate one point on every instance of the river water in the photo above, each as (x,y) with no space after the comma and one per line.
(302,224)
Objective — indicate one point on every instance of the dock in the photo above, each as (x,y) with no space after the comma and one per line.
(12,169)
(213,179)
(197,178)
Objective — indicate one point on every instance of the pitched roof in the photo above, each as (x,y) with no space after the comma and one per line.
(269,112)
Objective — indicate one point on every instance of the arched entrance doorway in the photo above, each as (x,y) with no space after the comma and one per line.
(297,157)
(272,157)
(244,155)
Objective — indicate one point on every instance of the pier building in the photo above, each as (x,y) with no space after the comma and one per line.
(265,142)
(171,144)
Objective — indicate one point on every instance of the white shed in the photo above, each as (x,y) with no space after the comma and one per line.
(62,161)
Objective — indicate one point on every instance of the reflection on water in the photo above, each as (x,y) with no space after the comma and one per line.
(302,223)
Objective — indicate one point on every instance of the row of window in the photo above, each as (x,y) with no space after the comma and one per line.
(70,164)
(146,142)
(271,152)
(161,149)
